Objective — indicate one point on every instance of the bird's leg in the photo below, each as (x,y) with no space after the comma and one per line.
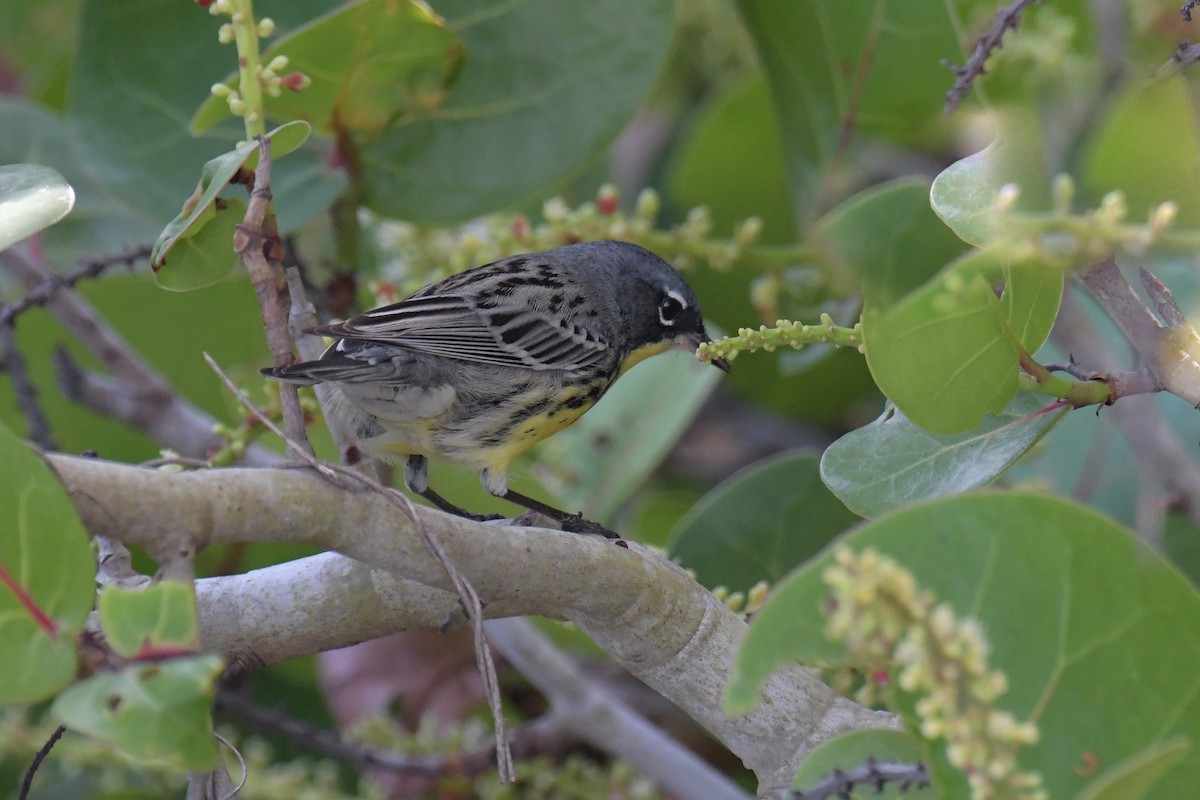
(416,478)
(572,523)
(445,505)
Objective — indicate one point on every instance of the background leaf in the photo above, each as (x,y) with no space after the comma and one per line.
(159,617)
(45,550)
(759,524)
(893,462)
(32,197)
(1078,614)
(545,88)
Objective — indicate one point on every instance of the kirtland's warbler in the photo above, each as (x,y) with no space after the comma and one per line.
(476,368)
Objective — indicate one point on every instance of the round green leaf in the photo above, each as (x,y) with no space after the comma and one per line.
(370,62)
(44,551)
(835,71)
(32,197)
(759,524)
(1078,613)
(893,462)
(945,354)
(546,87)
(206,223)
(150,711)
(162,617)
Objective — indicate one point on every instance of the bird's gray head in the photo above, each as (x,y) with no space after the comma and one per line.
(658,309)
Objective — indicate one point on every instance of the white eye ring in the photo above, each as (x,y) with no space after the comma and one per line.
(670,307)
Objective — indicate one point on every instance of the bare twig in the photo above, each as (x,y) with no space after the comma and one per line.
(257,243)
(135,393)
(44,751)
(597,716)
(1184,56)
(841,783)
(1007,18)
(1155,445)
(328,743)
(91,268)
(12,362)
(1186,10)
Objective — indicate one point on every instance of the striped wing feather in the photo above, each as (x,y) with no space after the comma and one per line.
(450,325)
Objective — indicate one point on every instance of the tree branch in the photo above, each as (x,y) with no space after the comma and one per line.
(644,611)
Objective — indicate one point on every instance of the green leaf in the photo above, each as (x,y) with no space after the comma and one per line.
(546,88)
(370,62)
(32,197)
(44,551)
(1078,614)
(966,194)
(206,223)
(889,236)
(599,462)
(893,462)
(151,712)
(841,70)
(945,354)
(162,617)
(759,524)
(1135,777)
(1148,148)
(853,750)
(732,163)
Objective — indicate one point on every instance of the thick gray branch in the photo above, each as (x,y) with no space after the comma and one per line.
(644,611)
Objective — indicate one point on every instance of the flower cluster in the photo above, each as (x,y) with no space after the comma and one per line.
(785,333)
(887,622)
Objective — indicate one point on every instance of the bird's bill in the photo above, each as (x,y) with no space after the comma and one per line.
(691,341)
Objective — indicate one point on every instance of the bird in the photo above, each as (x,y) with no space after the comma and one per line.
(477,367)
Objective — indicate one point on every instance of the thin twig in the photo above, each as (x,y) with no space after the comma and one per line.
(877,775)
(1007,18)
(134,393)
(40,294)
(1184,56)
(328,743)
(13,362)
(466,592)
(44,751)
(257,243)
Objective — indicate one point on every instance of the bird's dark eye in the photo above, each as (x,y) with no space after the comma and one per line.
(669,307)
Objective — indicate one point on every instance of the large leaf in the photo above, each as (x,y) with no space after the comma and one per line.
(759,524)
(147,623)
(370,62)
(44,552)
(732,163)
(889,238)
(151,711)
(837,70)
(546,87)
(32,197)
(945,354)
(1148,147)
(893,462)
(206,223)
(1078,613)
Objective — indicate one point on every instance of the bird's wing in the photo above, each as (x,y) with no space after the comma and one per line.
(450,325)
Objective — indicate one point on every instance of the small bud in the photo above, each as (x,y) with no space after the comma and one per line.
(204,3)
(1006,198)
(520,227)
(648,204)
(1064,193)
(1162,216)
(220,90)
(296,81)
(238,106)
(748,231)
(278,64)
(266,26)
(555,209)
(607,200)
